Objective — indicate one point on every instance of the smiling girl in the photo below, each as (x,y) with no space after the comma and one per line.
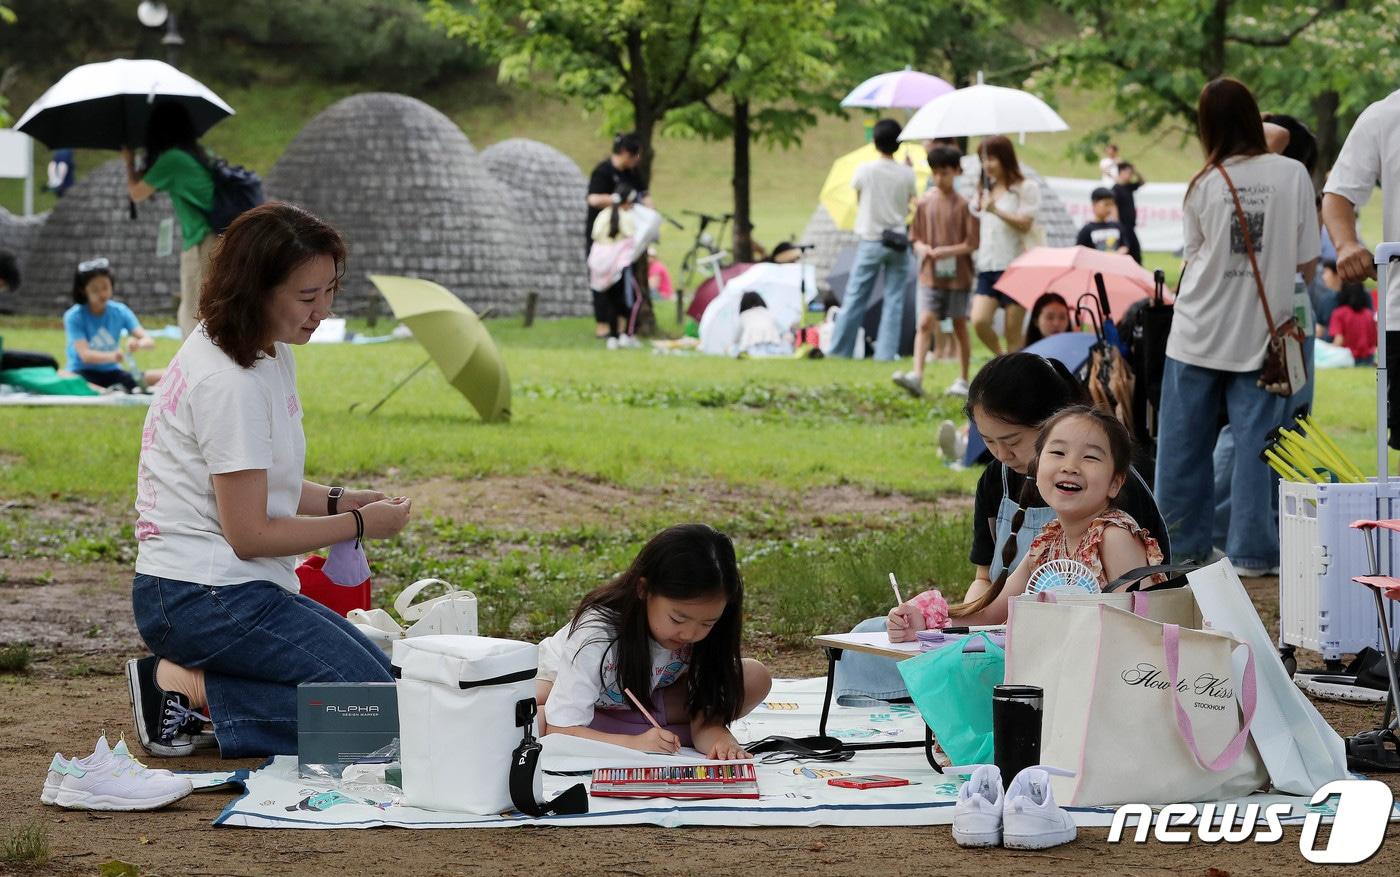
(668,630)
(1083,458)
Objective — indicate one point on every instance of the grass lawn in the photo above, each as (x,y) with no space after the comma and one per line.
(749,446)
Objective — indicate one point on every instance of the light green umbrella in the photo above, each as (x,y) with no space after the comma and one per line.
(455,339)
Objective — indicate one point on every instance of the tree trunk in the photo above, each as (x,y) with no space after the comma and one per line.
(1213,63)
(743,228)
(1328,136)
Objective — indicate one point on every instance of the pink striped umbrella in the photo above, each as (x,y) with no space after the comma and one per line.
(903,89)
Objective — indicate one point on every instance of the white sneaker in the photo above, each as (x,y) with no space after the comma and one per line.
(910,382)
(948,441)
(977,816)
(114,780)
(628,341)
(612,344)
(959,388)
(1031,820)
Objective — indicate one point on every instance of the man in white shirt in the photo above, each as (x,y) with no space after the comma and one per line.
(1108,166)
(884,190)
(1370,155)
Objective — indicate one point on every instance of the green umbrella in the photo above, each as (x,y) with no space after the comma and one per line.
(455,339)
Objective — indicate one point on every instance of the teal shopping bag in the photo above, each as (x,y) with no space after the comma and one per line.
(952,687)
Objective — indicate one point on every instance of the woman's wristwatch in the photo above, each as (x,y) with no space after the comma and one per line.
(333,499)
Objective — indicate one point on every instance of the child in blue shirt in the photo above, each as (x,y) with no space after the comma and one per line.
(94,325)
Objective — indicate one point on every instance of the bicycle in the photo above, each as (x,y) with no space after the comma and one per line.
(703,242)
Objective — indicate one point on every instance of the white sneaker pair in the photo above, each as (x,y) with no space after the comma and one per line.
(110,779)
(1026,817)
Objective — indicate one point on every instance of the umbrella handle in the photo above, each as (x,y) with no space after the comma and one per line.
(395,389)
(1103,295)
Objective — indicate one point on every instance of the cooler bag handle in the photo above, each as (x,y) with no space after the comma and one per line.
(523,764)
(403,603)
(1171,644)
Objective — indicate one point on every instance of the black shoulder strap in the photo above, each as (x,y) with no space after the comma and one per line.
(1132,577)
(524,763)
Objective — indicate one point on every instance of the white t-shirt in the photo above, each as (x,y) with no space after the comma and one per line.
(1372,150)
(583,667)
(1218,322)
(1108,171)
(210,417)
(1000,242)
(886,187)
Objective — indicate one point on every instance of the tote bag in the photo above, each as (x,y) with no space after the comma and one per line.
(1299,747)
(952,687)
(1124,694)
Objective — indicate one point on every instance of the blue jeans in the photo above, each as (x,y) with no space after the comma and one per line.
(862,678)
(255,642)
(1192,398)
(1299,403)
(870,257)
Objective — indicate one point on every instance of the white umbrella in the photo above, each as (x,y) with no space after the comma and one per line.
(980,110)
(786,290)
(105,105)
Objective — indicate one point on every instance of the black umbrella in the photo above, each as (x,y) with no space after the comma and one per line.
(104,106)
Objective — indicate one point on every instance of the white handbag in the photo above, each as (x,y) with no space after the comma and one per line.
(467,726)
(451,613)
(1123,693)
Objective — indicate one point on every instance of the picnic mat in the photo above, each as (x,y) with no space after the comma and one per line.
(106,400)
(793,793)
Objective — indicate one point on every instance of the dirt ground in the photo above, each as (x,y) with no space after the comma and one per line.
(78,619)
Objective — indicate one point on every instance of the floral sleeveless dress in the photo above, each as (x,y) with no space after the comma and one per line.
(1051,545)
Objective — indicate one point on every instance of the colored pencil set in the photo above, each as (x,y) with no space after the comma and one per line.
(684,781)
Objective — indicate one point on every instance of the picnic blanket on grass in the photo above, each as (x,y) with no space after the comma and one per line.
(793,793)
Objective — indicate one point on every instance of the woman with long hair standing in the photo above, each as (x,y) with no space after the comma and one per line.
(1220,333)
(1006,204)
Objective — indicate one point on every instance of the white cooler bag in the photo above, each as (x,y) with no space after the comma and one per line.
(467,726)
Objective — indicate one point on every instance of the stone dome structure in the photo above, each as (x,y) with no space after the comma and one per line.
(1060,229)
(412,196)
(547,190)
(93,219)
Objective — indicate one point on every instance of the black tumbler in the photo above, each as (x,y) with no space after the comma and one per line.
(1016,712)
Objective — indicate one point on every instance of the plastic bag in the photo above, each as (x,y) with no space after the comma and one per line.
(952,687)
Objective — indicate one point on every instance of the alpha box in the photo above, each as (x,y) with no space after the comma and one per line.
(342,723)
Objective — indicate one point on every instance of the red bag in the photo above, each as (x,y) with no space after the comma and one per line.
(319,587)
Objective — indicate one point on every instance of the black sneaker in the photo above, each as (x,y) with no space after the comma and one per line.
(163,718)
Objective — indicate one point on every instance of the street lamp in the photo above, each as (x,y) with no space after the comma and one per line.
(155,15)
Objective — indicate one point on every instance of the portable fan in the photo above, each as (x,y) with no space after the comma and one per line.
(1063,575)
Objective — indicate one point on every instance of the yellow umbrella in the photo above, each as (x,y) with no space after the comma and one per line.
(455,339)
(839,198)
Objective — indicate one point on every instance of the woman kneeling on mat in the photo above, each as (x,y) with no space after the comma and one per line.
(223,509)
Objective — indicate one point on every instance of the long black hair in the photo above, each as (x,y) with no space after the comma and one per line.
(686,562)
(169,126)
(625,194)
(1033,333)
(1354,296)
(1024,389)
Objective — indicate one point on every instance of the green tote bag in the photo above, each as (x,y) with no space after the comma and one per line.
(952,687)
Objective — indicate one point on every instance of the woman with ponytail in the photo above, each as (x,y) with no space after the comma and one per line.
(1008,401)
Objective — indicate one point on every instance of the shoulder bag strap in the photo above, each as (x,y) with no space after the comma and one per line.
(1249,248)
(524,764)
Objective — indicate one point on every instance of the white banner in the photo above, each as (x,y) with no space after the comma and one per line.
(1159,210)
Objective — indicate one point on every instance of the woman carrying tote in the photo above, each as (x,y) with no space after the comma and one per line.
(224,510)
(1220,332)
(1006,204)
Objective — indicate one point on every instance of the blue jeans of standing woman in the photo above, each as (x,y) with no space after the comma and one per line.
(1192,398)
(255,643)
(871,256)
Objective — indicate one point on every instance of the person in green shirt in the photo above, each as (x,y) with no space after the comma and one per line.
(177,165)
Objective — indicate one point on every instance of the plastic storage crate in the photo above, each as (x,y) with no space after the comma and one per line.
(1320,607)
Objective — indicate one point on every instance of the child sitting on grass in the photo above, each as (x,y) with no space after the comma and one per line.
(1083,456)
(668,630)
(94,325)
